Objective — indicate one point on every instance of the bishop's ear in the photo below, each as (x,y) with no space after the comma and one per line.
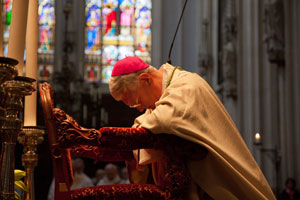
(145,78)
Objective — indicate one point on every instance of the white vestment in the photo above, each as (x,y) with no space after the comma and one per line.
(190,109)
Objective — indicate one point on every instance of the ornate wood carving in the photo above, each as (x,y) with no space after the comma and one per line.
(71,134)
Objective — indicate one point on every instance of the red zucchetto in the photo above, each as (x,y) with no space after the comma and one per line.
(128,65)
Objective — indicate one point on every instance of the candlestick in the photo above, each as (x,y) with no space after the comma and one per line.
(31,62)
(17,32)
(14,91)
(30,137)
(7,72)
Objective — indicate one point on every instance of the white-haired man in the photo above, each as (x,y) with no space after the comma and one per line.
(182,103)
(111,175)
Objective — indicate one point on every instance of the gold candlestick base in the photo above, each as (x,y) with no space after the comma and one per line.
(7,72)
(11,100)
(30,137)
(7,69)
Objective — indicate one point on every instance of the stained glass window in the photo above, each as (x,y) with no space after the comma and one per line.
(115,29)
(6,19)
(46,35)
(46,39)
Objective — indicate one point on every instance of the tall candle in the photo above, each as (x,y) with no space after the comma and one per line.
(16,40)
(31,61)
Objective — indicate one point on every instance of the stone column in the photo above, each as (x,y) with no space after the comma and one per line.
(228,50)
(273,27)
(228,59)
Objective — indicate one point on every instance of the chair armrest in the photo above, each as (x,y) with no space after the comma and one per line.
(71,134)
(100,154)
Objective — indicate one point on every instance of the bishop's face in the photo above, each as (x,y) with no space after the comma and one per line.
(144,97)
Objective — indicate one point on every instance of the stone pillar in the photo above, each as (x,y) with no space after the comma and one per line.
(273,27)
(228,50)
(228,58)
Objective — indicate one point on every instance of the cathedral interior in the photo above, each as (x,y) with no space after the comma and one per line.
(247,50)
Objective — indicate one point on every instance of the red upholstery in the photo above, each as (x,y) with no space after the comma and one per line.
(119,192)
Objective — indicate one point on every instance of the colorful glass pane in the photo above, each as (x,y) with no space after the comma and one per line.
(110,55)
(143,31)
(46,11)
(46,26)
(92,73)
(125,51)
(45,72)
(127,10)
(124,30)
(143,3)
(93,21)
(106,73)
(7,9)
(126,21)
(109,13)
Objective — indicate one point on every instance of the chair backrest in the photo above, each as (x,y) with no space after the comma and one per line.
(61,158)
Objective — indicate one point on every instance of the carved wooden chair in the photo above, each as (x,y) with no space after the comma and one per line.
(111,144)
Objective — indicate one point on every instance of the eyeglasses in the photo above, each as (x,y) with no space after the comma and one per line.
(137,104)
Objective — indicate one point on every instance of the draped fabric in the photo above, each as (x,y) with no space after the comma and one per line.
(190,109)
